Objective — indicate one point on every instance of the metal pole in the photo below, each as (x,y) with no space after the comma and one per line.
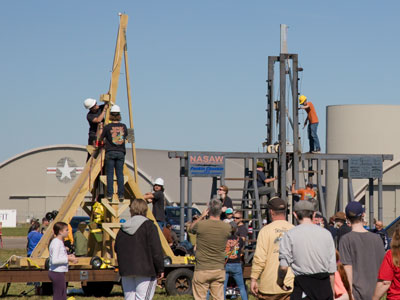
(380,200)
(371,202)
(182,199)
(270,100)
(320,191)
(189,198)
(296,151)
(350,190)
(340,189)
(284,47)
(282,127)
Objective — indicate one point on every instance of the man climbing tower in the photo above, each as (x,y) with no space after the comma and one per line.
(312,120)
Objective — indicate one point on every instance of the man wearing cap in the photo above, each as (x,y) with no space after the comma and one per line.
(312,120)
(263,181)
(341,225)
(309,251)
(229,216)
(266,257)
(361,253)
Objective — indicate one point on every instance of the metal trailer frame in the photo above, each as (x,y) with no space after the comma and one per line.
(319,158)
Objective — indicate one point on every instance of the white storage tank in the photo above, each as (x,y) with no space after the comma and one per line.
(365,129)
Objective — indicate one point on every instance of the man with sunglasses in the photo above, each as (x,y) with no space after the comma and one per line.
(241,227)
(157,199)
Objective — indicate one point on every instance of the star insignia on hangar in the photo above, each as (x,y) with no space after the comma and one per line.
(66,170)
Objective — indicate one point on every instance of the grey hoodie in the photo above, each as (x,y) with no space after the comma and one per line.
(133,224)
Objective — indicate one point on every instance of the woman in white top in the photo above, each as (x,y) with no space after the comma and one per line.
(59,261)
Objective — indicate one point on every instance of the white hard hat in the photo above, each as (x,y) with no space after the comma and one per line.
(115,109)
(159,181)
(89,103)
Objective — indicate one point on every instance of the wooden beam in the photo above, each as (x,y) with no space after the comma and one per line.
(75,197)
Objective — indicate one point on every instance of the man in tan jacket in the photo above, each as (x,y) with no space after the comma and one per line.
(266,258)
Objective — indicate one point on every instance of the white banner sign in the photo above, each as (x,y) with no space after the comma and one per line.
(8,217)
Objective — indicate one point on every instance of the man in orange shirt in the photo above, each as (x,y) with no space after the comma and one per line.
(312,120)
(305,194)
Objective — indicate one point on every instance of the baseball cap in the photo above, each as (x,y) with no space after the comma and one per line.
(303,205)
(354,209)
(229,211)
(340,216)
(276,203)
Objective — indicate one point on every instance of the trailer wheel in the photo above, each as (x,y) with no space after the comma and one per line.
(98,289)
(179,282)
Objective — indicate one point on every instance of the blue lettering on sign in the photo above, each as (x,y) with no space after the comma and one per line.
(206,170)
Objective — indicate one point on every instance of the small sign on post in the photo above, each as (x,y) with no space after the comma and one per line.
(205,165)
(362,167)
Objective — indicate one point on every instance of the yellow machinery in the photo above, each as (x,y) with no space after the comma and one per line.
(91,178)
(99,271)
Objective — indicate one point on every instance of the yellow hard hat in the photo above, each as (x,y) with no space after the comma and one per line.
(302,99)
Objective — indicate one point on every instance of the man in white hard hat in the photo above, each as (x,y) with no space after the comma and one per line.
(114,135)
(157,199)
(95,116)
(312,120)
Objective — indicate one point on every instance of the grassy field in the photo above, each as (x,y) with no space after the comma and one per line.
(20,230)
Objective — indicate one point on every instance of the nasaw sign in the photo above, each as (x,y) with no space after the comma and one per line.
(203,165)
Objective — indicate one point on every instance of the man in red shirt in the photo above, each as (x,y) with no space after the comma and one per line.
(312,120)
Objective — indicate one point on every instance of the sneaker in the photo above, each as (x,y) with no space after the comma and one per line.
(109,198)
(316,151)
(121,199)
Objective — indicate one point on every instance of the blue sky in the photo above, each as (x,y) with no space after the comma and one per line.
(198,68)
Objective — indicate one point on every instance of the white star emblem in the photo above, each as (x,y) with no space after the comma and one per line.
(66,170)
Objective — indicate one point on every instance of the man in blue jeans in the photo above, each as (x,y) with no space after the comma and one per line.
(312,120)
(233,267)
(114,135)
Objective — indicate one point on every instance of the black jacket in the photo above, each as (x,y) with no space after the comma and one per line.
(140,254)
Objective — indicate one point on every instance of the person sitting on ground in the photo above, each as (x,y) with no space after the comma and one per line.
(34,237)
(81,242)
(115,135)
(305,194)
(382,233)
(229,215)
(233,265)
(226,201)
(389,272)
